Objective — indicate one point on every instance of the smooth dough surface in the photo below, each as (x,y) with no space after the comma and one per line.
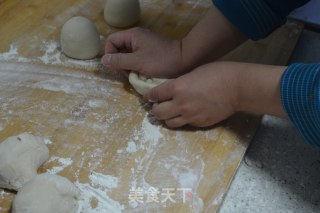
(20,157)
(143,84)
(80,39)
(122,13)
(47,193)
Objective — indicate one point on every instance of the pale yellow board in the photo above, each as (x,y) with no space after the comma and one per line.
(102,136)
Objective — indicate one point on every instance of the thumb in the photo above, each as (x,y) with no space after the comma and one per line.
(120,61)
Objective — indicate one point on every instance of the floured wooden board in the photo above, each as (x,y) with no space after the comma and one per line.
(99,134)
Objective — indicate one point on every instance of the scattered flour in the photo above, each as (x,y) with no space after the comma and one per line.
(147,138)
(3,193)
(47,141)
(131,148)
(13,55)
(151,132)
(65,162)
(104,202)
(96,103)
(51,55)
(104,181)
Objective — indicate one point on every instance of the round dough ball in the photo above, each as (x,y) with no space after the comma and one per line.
(80,38)
(47,193)
(142,83)
(20,157)
(122,13)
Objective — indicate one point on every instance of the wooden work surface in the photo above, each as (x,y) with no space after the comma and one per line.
(99,134)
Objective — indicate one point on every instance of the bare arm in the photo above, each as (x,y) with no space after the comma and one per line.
(215,91)
(211,38)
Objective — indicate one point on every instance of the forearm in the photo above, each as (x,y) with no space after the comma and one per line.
(210,39)
(258,89)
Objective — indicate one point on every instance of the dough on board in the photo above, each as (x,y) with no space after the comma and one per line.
(47,193)
(20,157)
(143,84)
(80,39)
(122,13)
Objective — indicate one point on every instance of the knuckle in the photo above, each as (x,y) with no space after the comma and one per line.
(184,109)
(154,94)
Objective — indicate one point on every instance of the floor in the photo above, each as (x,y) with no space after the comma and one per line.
(280,172)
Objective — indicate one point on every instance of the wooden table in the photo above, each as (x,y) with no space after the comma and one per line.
(99,134)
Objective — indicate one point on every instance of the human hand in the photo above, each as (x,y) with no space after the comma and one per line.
(213,92)
(145,52)
(200,98)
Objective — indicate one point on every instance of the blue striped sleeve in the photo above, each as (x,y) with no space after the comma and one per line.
(300,94)
(257,18)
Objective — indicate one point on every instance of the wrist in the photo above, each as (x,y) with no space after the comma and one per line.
(181,62)
(258,89)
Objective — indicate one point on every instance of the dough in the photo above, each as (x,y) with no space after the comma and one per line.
(143,84)
(80,38)
(47,193)
(20,157)
(122,13)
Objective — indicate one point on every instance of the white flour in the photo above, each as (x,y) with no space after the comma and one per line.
(131,148)
(97,191)
(104,181)
(52,56)
(64,163)
(145,141)
(104,202)
(47,141)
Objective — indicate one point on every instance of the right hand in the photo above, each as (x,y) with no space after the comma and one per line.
(145,52)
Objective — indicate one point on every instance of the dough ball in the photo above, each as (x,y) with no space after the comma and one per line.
(143,84)
(122,13)
(20,157)
(80,38)
(47,193)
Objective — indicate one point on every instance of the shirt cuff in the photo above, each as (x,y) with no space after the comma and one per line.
(300,95)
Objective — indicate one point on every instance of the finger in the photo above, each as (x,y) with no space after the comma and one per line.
(176,122)
(120,61)
(165,110)
(119,41)
(163,92)
(110,48)
(201,123)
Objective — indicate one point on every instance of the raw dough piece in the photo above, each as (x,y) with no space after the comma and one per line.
(143,84)
(20,157)
(122,13)
(47,193)
(80,38)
